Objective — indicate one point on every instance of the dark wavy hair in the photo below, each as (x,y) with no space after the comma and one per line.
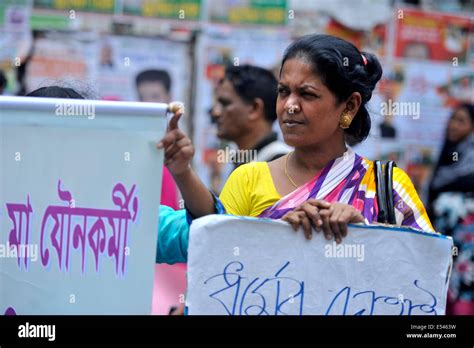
(341,67)
(55,92)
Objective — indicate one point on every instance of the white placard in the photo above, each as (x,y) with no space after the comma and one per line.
(80,191)
(241,266)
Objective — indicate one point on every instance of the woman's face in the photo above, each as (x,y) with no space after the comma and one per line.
(317,119)
(459,125)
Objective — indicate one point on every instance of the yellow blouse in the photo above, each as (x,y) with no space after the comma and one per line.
(250,190)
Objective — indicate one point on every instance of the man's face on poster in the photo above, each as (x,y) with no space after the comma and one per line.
(153,92)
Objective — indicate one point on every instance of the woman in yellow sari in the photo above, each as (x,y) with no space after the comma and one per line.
(324,85)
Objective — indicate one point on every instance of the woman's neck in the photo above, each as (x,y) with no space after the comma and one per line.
(313,159)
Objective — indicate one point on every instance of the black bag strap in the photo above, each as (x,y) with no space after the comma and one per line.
(384,187)
(381,194)
(389,192)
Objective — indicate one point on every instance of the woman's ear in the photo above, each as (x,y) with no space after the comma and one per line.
(353,104)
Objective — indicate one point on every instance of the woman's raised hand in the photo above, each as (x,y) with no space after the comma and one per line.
(331,218)
(179,150)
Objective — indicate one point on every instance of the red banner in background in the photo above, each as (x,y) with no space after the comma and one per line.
(373,40)
(431,36)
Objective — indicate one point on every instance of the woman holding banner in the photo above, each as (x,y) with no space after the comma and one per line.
(324,85)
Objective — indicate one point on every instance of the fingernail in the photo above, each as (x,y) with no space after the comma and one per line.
(328,237)
(319,222)
(160,145)
(310,236)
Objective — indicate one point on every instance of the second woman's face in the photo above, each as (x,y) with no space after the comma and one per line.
(459,125)
(308,112)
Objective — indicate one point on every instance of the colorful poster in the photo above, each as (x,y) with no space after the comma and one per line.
(270,12)
(410,110)
(172,9)
(104,6)
(57,59)
(79,205)
(153,70)
(116,68)
(249,266)
(9,18)
(373,40)
(432,36)
(15,38)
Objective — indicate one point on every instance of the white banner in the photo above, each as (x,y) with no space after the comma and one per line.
(79,200)
(249,266)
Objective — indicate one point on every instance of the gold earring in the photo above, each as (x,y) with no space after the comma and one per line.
(345,120)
